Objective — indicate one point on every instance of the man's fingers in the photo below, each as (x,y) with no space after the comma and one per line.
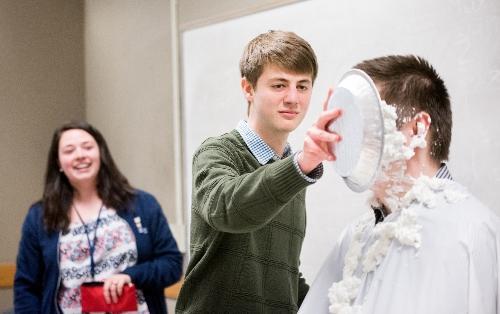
(319,135)
(321,143)
(331,149)
(320,150)
(327,116)
(325,103)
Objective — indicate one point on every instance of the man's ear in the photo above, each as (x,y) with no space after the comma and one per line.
(422,123)
(247,89)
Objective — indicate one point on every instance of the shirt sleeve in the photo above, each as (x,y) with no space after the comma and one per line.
(303,289)
(311,177)
(483,277)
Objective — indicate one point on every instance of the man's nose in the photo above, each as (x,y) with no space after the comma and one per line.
(292,96)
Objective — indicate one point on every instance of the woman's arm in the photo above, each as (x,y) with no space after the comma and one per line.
(28,283)
(164,266)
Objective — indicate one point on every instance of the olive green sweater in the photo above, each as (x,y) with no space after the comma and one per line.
(247,227)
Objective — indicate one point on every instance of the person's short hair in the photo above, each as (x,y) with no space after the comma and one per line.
(286,50)
(412,85)
(112,186)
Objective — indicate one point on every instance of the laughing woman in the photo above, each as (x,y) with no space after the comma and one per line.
(91,225)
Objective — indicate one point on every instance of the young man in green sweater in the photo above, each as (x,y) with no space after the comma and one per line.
(248,197)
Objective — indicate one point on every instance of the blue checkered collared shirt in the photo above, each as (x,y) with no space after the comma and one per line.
(265,154)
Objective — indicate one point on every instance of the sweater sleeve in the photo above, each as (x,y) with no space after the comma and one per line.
(164,265)
(229,199)
(303,289)
(28,280)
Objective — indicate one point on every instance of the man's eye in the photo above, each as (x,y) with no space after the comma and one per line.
(302,87)
(279,86)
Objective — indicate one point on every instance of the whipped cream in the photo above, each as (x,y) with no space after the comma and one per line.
(400,193)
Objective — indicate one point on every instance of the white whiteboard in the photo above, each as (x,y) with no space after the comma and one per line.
(461,38)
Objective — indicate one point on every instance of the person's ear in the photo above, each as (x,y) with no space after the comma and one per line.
(247,89)
(422,124)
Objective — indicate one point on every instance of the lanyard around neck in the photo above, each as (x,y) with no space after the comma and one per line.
(91,243)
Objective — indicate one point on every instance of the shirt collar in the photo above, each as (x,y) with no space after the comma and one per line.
(257,146)
(443,172)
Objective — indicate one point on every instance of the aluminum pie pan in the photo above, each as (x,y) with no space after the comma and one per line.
(361,126)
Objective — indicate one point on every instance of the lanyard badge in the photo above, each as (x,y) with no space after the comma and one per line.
(91,243)
(138,224)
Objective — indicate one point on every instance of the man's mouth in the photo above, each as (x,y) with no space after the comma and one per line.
(288,113)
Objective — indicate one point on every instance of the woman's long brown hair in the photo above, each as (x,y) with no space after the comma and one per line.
(112,186)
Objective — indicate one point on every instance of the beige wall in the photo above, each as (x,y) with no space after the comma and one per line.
(130,81)
(41,85)
(107,60)
(128,90)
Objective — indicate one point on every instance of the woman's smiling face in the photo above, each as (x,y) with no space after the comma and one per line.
(79,157)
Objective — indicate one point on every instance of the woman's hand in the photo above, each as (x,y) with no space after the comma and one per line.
(113,287)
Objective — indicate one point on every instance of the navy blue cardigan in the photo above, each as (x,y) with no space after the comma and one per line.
(37,275)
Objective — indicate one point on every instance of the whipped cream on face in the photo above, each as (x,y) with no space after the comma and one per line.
(400,193)
(394,141)
(391,182)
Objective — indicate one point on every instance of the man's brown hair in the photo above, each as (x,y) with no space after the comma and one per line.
(284,49)
(412,85)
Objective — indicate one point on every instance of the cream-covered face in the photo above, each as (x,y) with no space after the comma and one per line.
(79,157)
(279,101)
(402,159)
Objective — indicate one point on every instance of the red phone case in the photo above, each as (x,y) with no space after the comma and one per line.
(92,299)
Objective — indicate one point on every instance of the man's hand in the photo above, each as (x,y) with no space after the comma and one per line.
(319,142)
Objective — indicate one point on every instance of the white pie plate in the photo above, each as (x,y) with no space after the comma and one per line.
(362,129)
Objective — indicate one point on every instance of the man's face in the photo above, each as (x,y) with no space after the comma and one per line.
(278,102)
(405,155)
(391,179)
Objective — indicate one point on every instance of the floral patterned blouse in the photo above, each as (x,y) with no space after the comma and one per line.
(115,250)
